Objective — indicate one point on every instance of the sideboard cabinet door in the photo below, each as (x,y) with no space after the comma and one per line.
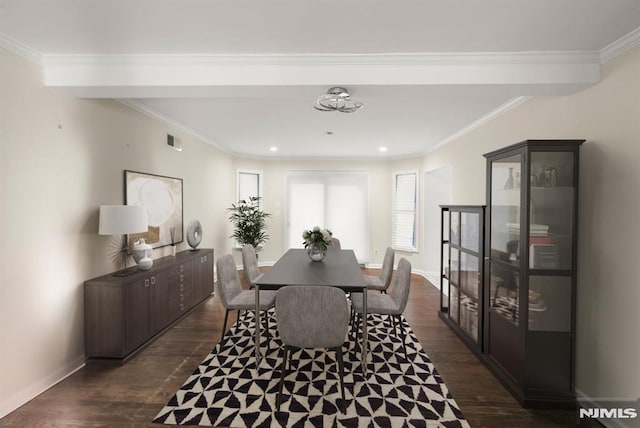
(124,314)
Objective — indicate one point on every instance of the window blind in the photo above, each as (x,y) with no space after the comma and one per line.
(405,207)
(337,200)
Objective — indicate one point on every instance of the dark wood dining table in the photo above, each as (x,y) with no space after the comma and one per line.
(339,268)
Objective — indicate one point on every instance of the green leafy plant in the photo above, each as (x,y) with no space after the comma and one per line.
(249,221)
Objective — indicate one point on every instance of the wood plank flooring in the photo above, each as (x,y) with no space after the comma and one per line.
(131,395)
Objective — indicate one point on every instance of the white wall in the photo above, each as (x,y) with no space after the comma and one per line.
(608,116)
(437,191)
(60,158)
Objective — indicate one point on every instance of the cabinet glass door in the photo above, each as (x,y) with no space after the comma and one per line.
(444,274)
(505,237)
(551,210)
(505,209)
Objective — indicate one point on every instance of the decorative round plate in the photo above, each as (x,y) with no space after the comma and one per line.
(194,233)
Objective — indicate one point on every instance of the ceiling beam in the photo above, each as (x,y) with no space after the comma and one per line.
(124,76)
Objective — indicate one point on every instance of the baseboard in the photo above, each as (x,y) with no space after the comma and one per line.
(20,398)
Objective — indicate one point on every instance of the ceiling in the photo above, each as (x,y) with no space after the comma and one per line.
(243,74)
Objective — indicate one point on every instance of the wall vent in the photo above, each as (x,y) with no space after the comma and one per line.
(174,142)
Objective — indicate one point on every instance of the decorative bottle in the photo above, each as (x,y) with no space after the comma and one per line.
(509,183)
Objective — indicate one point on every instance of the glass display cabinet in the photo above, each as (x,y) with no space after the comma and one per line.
(530,268)
(461,275)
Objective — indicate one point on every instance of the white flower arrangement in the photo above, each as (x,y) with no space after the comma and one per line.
(321,238)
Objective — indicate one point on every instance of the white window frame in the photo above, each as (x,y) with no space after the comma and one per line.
(413,248)
(260,175)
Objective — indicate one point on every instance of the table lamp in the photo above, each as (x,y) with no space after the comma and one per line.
(123,220)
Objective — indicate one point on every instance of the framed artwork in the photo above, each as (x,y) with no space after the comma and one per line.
(162,197)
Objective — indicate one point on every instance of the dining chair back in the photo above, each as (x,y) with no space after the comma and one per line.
(311,317)
(381,282)
(250,268)
(228,282)
(400,291)
(335,244)
(392,304)
(233,297)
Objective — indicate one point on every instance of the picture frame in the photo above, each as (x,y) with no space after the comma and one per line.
(162,197)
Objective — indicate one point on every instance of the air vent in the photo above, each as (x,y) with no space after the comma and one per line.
(174,142)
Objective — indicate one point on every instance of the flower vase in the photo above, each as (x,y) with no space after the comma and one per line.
(316,253)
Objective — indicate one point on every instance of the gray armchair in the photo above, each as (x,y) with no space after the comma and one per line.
(311,317)
(232,295)
(392,304)
(382,282)
(250,265)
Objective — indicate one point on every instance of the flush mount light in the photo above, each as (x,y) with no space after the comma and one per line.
(273,149)
(337,99)
(383,149)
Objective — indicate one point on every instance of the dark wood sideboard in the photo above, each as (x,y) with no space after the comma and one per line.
(124,314)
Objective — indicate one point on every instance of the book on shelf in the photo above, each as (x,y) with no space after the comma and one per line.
(539,240)
(534,229)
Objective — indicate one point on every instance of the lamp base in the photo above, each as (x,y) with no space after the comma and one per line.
(126,272)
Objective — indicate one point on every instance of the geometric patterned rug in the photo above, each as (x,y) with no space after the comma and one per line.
(227,390)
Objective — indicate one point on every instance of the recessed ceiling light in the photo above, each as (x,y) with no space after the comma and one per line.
(273,149)
(329,132)
(383,149)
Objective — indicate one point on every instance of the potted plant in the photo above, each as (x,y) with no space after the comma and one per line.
(249,221)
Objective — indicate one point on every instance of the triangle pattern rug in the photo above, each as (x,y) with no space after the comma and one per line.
(227,390)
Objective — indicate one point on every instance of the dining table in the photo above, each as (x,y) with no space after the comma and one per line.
(339,268)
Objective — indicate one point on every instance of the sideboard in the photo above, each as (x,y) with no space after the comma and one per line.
(124,314)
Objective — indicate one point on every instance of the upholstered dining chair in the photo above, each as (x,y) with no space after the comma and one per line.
(393,303)
(335,244)
(381,282)
(311,317)
(233,297)
(250,265)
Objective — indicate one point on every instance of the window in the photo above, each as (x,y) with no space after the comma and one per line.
(248,183)
(337,200)
(405,211)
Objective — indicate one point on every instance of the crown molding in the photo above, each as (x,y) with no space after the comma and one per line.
(509,105)
(20,49)
(135,105)
(620,46)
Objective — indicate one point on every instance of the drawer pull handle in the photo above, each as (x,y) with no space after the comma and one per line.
(182,298)
(153,280)
(181,268)
(146,283)
(181,287)
(181,278)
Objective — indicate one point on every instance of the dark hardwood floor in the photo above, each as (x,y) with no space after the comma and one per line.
(131,395)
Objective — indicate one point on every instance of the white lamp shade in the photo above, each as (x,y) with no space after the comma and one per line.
(122,219)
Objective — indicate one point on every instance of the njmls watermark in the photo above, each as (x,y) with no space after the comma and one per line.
(622,412)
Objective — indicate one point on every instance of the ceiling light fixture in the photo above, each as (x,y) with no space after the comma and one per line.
(383,149)
(273,149)
(337,99)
